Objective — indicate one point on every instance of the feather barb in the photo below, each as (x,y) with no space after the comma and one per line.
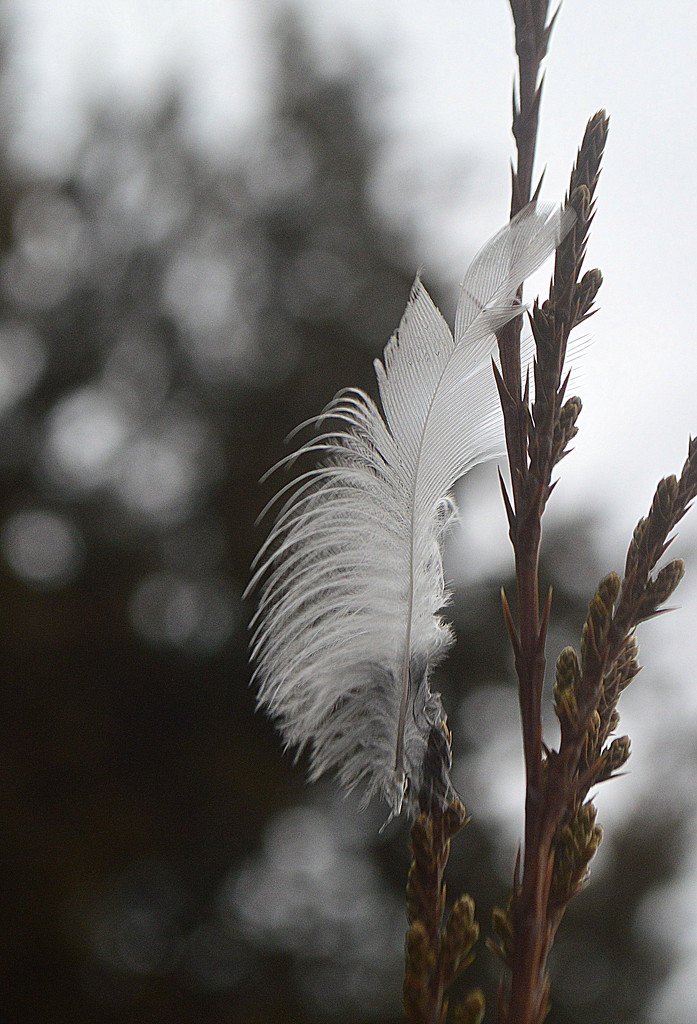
(348,627)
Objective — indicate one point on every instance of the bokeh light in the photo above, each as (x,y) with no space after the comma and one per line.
(86,430)
(196,614)
(43,548)
(318,896)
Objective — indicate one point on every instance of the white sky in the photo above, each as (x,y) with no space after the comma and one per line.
(445,69)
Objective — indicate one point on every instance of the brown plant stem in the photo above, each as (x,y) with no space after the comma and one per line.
(531,39)
(530,440)
(529,906)
(435,954)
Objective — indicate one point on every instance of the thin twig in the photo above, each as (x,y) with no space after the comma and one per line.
(435,954)
(536,439)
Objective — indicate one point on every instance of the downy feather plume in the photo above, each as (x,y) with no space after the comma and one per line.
(348,626)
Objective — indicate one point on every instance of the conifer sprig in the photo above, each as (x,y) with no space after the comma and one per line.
(435,952)
(561,832)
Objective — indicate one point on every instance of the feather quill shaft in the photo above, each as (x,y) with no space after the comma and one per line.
(350,579)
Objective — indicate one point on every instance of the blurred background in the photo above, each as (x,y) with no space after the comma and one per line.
(210,217)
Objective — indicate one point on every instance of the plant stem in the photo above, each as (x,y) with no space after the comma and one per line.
(529,908)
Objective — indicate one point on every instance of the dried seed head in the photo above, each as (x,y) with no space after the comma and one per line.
(420,962)
(608,589)
(660,589)
(623,669)
(461,919)
(580,199)
(637,546)
(454,817)
(595,724)
(574,849)
(568,675)
(566,708)
(650,534)
(418,947)
(627,665)
(599,616)
(586,291)
(616,755)
(422,838)
(568,672)
(459,935)
(471,1009)
(566,429)
(502,927)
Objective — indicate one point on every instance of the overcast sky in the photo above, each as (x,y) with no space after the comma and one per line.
(444,74)
(444,70)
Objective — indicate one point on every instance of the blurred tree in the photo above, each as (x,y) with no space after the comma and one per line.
(163,325)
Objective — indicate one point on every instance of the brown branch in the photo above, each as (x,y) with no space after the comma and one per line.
(532,34)
(586,692)
(537,438)
(436,954)
(551,425)
(561,834)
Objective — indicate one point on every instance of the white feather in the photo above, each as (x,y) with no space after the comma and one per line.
(351,582)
